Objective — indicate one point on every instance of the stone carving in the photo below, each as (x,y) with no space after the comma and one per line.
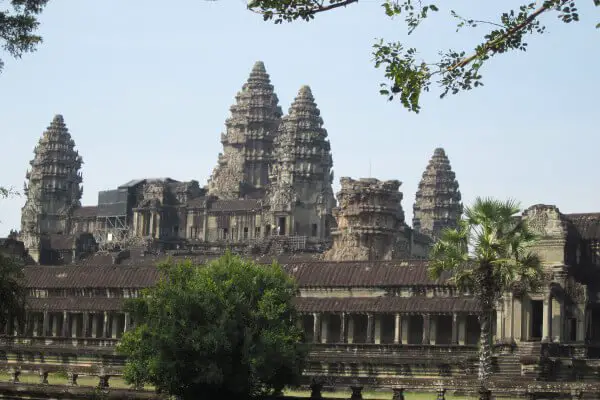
(370,220)
(248,142)
(546,221)
(53,188)
(437,202)
(576,291)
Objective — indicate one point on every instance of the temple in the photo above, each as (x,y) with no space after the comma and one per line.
(368,305)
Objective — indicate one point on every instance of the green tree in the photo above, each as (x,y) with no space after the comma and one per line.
(487,254)
(13,293)
(456,70)
(18,23)
(224,330)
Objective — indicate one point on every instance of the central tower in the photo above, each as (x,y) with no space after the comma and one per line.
(243,167)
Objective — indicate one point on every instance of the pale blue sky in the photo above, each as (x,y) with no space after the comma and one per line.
(145,89)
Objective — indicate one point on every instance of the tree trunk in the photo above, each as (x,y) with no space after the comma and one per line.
(485,352)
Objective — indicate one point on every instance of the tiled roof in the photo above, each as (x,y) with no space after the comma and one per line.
(85,212)
(587,224)
(75,304)
(416,304)
(362,274)
(309,274)
(107,276)
(235,205)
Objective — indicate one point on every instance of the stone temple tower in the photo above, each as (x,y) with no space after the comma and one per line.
(370,221)
(301,174)
(53,188)
(437,202)
(243,167)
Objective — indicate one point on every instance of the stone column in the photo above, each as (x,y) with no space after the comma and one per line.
(158,225)
(404,328)
(517,318)
(350,338)
(136,228)
(558,320)
(324,328)
(370,328)
(377,330)
(151,230)
(36,325)
(126,325)
(499,320)
(433,329)
(397,328)
(454,339)
(462,329)
(581,327)
(46,324)
(54,325)
(343,318)
(114,325)
(105,331)
(74,325)
(85,328)
(426,324)
(65,324)
(508,316)
(547,318)
(95,323)
(316,327)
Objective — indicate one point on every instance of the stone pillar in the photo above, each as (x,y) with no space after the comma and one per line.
(547,318)
(127,322)
(343,318)
(404,328)
(151,229)
(454,339)
(526,328)
(316,327)
(426,328)
(398,393)
(350,338)
(105,331)
(46,324)
(85,328)
(397,328)
(74,325)
(158,225)
(377,329)
(499,320)
(581,327)
(54,325)
(462,329)
(36,326)
(433,329)
(65,324)
(95,323)
(324,328)
(114,326)
(558,320)
(508,316)
(370,328)
(356,393)
(517,318)
(136,228)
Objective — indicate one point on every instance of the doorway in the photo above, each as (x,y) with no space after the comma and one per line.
(281,225)
(537,317)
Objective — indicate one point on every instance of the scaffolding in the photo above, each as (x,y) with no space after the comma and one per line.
(112,221)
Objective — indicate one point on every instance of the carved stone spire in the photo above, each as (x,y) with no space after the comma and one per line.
(370,221)
(301,172)
(53,185)
(243,167)
(437,202)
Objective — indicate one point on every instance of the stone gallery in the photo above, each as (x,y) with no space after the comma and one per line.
(366,300)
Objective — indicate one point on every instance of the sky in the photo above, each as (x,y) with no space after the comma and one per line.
(145,89)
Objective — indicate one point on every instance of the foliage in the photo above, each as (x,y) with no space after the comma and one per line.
(17,26)
(224,330)
(455,71)
(488,253)
(12,292)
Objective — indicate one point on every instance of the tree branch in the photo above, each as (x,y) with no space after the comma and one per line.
(509,32)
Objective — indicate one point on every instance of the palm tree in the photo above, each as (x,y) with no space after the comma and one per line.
(486,255)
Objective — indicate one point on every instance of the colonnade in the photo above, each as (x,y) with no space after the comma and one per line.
(386,328)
